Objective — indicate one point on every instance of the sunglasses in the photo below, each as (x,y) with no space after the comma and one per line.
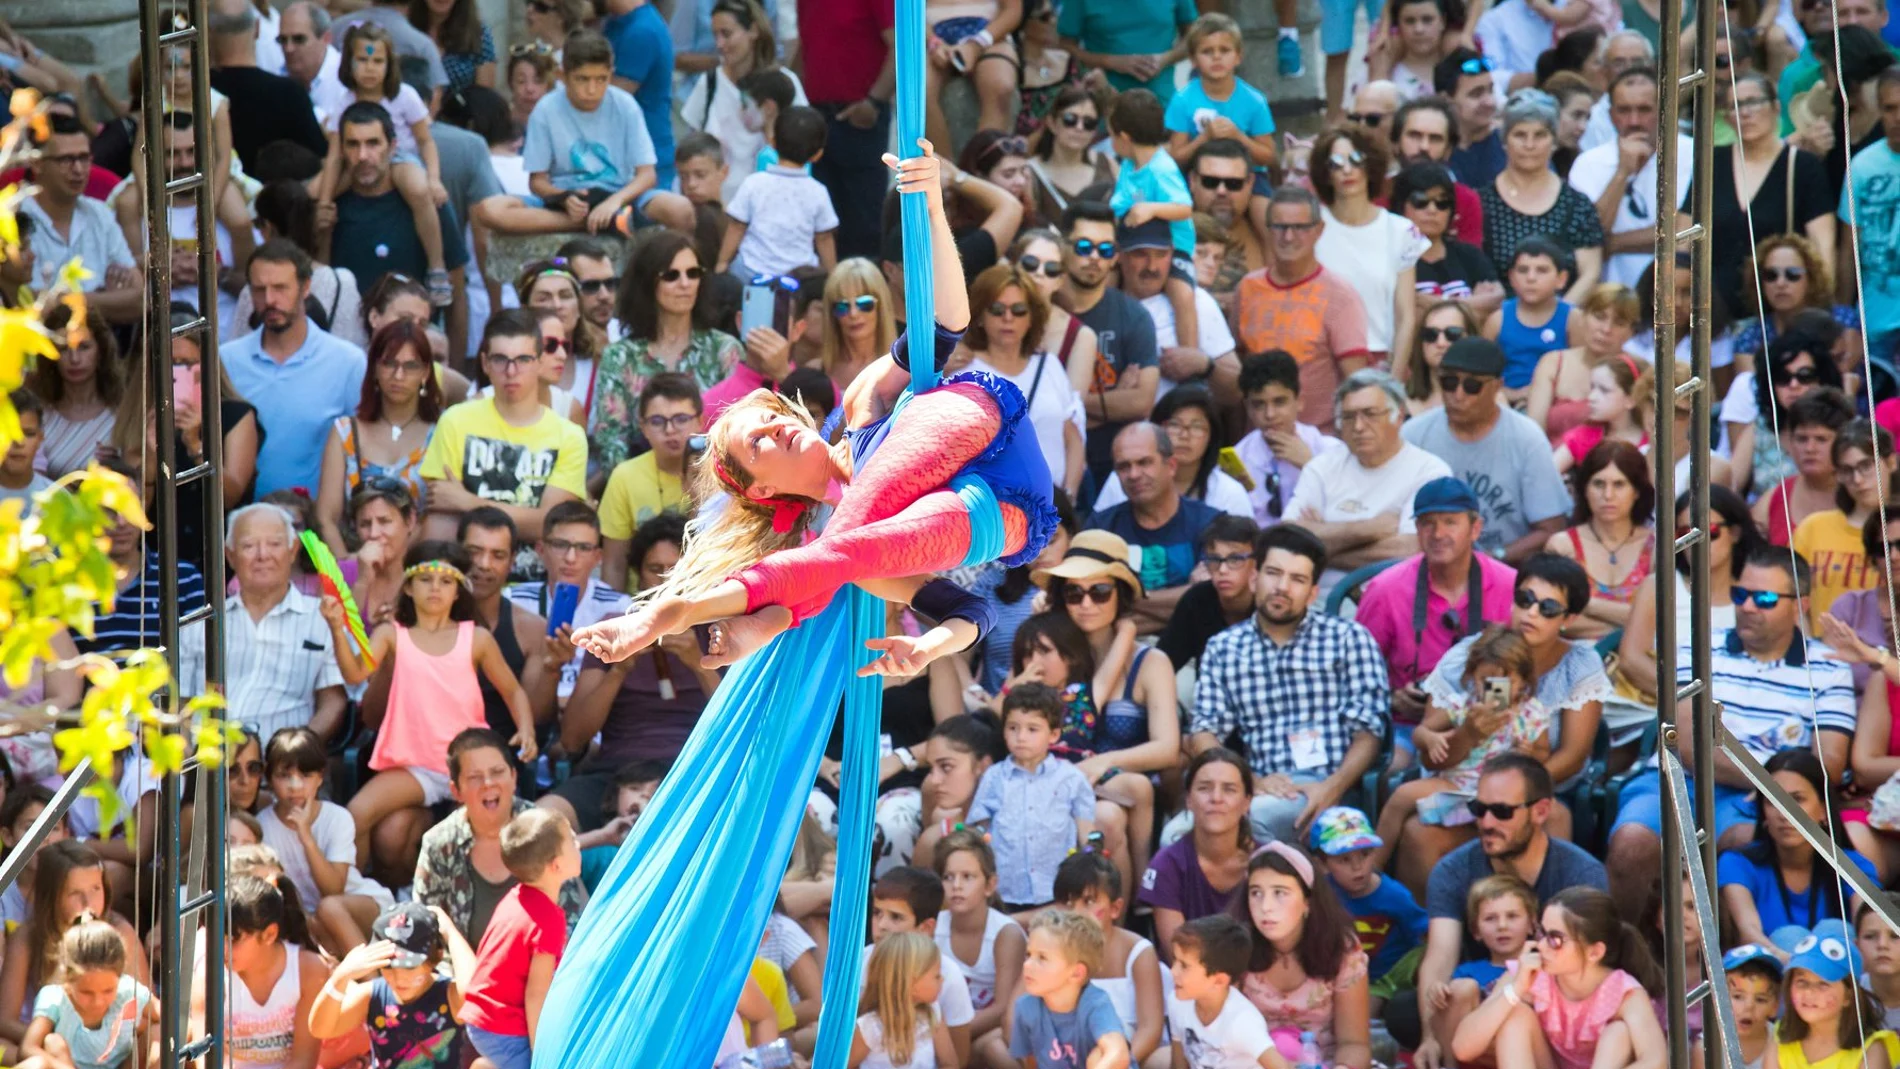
(1034,264)
(1007,146)
(1763,599)
(1077,121)
(674,274)
(864,303)
(1430,335)
(1806,376)
(1213,182)
(1346,162)
(1103,249)
(1548,608)
(1477,65)
(531,48)
(1777,274)
(1473,385)
(551,346)
(1422,200)
(1018,310)
(1275,505)
(593,286)
(252,769)
(1368,119)
(1553,940)
(1098,593)
(782,283)
(1497,810)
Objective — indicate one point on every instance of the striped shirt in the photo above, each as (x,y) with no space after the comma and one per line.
(133,622)
(1773,705)
(275,666)
(598,602)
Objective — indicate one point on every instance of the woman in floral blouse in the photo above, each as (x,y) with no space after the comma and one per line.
(666,317)
(1308,972)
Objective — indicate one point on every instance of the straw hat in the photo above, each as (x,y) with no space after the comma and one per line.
(1095,555)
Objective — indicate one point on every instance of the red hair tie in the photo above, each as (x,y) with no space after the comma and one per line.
(785,510)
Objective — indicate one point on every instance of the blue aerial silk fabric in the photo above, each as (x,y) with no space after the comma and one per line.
(663,950)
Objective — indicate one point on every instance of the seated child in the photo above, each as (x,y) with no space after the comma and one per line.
(1390,922)
(633,787)
(1214,1024)
(1536,318)
(700,163)
(909,899)
(1754,993)
(1880,949)
(398,975)
(1087,882)
(1498,911)
(80,1022)
(316,841)
(901,1029)
(981,943)
(1061,1020)
(523,941)
(782,217)
(1831,1020)
(1500,713)
(1014,798)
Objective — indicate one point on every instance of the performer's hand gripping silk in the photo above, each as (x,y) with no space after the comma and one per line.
(931,480)
(899,518)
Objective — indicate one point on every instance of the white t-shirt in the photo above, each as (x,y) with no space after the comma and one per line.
(1258,456)
(923,1053)
(406,109)
(1590,175)
(1370,257)
(1215,339)
(1233,1040)
(953,1002)
(1053,404)
(1224,492)
(335,832)
(598,602)
(783,209)
(1721,348)
(1341,490)
(726,121)
(137,779)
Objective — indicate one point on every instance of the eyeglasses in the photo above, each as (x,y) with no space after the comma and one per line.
(71,159)
(783,283)
(1864,469)
(1034,264)
(1098,593)
(1423,199)
(405,367)
(1231,185)
(1018,310)
(1430,335)
(1477,65)
(1723,61)
(1496,810)
(674,274)
(1346,162)
(1473,385)
(292,40)
(1234,561)
(1806,376)
(1188,430)
(679,421)
(1763,599)
(1548,608)
(1751,103)
(562,548)
(864,303)
(512,363)
(593,286)
(1777,274)
(551,346)
(1077,121)
(1103,249)
(1368,119)
(386,484)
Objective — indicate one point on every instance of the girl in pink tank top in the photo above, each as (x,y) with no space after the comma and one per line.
(430,654)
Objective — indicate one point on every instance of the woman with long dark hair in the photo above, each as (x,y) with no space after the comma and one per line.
(1610,533)
(81,391)
(743,38)
(1066,162)
(1779,879)
(1194,429)
(1195,876)
(664,308)
(467,47)
(1307,972)
(387,435)
(1830,540)
(1758,408)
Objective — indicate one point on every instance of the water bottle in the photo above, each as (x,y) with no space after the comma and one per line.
(1309,1053)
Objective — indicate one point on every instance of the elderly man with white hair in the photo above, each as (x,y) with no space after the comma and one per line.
(1619,51)
(280,665)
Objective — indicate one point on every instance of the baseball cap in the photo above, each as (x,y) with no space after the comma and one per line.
(1479,356)
(412,929)
(1153,234)
(1827,952)
(1447,493)
(1341,830)
(1751,952)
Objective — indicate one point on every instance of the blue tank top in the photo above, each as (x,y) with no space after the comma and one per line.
(1523,346)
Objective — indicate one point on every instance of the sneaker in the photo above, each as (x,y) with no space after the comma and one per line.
(440,293)
(1292,62)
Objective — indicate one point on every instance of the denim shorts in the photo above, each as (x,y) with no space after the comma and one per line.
(507,1052)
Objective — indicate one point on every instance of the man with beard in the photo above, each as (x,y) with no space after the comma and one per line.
(1425,130)
(299,377)
(1513,802)
(1126,372)
(375,233)
(1220,601)
(1221,180)
(594,269)
(1305,691)
(1620,178)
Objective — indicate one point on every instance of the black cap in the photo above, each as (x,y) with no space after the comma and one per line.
(1153,234)
(412,929)
(1479,356)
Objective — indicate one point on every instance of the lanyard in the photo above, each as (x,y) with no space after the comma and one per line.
(1474,605)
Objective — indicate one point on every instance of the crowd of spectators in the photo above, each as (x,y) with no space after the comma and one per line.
(1326,716)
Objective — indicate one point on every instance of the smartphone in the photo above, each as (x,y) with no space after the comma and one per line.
(1497,690)
(763,307)
(567,598)
(185,388)
(1231,463)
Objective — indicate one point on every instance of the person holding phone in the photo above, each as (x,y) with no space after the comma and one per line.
(570,550)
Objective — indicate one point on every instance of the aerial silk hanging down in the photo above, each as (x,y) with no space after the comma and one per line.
(657,963)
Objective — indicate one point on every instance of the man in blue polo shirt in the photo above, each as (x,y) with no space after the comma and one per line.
(298,376)
(1156,520)
(1776,688)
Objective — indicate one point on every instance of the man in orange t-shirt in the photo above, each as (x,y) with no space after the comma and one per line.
(1295,304)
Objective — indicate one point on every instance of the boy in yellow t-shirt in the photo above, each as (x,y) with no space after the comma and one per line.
(670,413)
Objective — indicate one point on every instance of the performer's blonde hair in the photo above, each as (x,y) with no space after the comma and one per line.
(722,540)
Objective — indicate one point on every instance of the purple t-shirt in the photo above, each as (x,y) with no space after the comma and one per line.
(1174,880)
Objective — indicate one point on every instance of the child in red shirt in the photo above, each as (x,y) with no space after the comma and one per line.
(524,940)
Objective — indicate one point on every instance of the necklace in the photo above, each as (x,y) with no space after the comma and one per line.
(1634,531)
(395,431)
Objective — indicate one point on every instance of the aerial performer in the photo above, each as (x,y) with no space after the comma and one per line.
(927,477)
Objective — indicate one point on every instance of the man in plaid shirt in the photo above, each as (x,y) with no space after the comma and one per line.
(1306,692)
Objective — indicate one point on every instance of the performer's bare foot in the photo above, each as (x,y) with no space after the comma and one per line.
(623,636)
(730,640)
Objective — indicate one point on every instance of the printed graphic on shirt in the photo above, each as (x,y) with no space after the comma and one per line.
(1199,1054)
(505,472)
